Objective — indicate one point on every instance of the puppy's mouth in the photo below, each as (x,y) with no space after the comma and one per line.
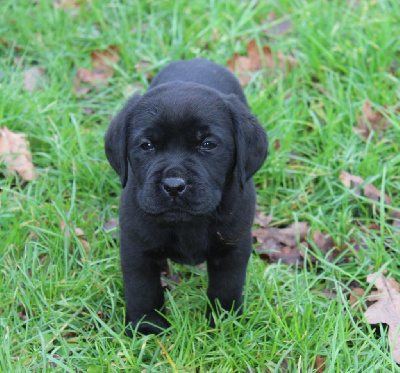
(177,216)
(174,215)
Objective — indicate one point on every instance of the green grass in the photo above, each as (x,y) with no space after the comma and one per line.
(62,306)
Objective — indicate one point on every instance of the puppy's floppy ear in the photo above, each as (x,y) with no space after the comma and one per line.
(116,140)
(250,140)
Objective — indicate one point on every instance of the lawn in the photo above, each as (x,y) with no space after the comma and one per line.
(62,306)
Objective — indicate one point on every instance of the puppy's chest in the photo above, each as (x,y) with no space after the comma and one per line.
(186,247)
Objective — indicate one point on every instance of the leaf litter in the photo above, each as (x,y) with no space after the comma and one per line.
(369,190)
(78,232)
(32,78)
(256,60)
(102,62)
(386,310)
(277,26)
(15,154)
(371,122)
(289,244)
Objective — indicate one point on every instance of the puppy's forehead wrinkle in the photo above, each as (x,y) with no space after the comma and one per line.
(181,102)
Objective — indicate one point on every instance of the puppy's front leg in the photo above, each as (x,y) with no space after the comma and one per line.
(143,291)
(227,274)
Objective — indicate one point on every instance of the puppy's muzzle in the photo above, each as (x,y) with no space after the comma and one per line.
(173,186)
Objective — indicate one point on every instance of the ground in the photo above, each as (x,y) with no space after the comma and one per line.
(62,306)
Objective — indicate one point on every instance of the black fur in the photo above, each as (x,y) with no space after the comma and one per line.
(186,152)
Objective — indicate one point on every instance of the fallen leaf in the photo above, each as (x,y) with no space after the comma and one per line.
(277,145)
(370,121)
(281,243)
(102,61)
(386,310)
(32,78)
(394,283)
(393,68)
(287,236)
(255,60)
(67,4)
(330,294)
(353,3)
(85,244)
(10,44)
(278,26)
(240,66)
(355,294)
(88,110)
(262,220)
(370,192)
(325,244)
(144,67)
(110,227)
(14,153)
(395,215)
(320,364)
(23,314)
(78,232)
(169,280)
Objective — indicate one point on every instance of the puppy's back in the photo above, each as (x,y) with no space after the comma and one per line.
(201,71)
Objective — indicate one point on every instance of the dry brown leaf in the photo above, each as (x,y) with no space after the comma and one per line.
(330,294)
(14,153)
(256,59)
(395,215)
(279,27)
(102,61)
(32,78)
(394,283)
(320,364)
(78,232)
(353,182)
(10,44)
(244,66)
(370,121)
(67,4)
(353,3)
(287,236)
(386,310)
(88,76)
(355,294)
(325,244)
(277,145)
(110,226)
(144,67)
(281,243)
(241,66)
(262,220)
(85,244)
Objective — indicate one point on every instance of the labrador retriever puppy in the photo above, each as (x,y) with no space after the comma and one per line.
(185,151)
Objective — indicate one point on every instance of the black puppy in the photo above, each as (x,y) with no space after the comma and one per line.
(186,152)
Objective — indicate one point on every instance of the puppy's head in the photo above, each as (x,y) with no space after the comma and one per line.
(184,142)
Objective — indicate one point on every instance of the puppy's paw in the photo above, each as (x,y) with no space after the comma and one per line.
(151,324)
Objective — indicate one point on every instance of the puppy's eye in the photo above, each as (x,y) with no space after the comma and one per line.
(207,145)
(147,145)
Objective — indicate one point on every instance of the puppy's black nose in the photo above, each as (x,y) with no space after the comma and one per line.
(174,186)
